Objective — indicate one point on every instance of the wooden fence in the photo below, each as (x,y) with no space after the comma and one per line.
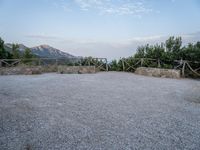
(128,65)
(99,63)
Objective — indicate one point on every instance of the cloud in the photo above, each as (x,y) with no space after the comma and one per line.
(44,37)
(60,4)
(117,7)
(106,7)
(86,4)
(191,37)
(147,38)
(122,48)
(108,49)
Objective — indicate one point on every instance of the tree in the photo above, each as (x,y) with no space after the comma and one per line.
(141,52)
(15,51)
(3,53)
(27,54)
(173,47)
(114,66)
(150,51)
(191,52)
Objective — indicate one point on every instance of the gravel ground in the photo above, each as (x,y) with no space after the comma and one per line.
(98,111)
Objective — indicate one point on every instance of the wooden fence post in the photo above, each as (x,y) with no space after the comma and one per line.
(123,66)
(142,61)
(89,61)
(159,63)
(80,62)
(107,65)
(183,69)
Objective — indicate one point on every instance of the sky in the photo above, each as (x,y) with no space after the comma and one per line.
(99,28)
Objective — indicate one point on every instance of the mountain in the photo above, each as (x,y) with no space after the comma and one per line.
(8,47)
(43,51)
(50,52)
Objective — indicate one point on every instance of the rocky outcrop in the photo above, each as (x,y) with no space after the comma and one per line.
(157,72)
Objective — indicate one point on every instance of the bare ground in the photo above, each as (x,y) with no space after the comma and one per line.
(98,111)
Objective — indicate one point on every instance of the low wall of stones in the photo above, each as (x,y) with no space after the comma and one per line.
(76,69)
(157,72)
(27,70)
(49,68)
(22,70)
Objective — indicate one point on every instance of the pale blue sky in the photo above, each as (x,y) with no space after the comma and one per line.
(101,28)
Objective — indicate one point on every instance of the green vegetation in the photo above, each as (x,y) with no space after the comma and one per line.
(170,50)
(164,54)
(3,53)
(27,54)
(14,52)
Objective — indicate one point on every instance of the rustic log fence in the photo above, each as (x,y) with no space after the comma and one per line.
(139,62)
(101,64)
(130,65)
(183,64)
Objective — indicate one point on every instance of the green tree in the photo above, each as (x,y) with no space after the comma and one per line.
(15,51)
(155,51)
(27,54)
(173,47)
(114,65)
(141,52)
(191,52)
(3,53)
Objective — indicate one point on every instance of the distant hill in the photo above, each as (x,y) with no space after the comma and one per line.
(50,52)
(43,51)
(8,47)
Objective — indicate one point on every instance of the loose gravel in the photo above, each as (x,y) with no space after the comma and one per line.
(99,112)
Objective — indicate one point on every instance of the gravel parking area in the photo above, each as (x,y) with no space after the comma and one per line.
(98,111)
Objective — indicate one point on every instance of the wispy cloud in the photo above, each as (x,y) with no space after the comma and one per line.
(117,7)
(107,7)
(147,38)
(108,49)
(44,37)
(190,37)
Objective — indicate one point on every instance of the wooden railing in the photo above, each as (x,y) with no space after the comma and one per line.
(102,63)
(183,65)
(99,63)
